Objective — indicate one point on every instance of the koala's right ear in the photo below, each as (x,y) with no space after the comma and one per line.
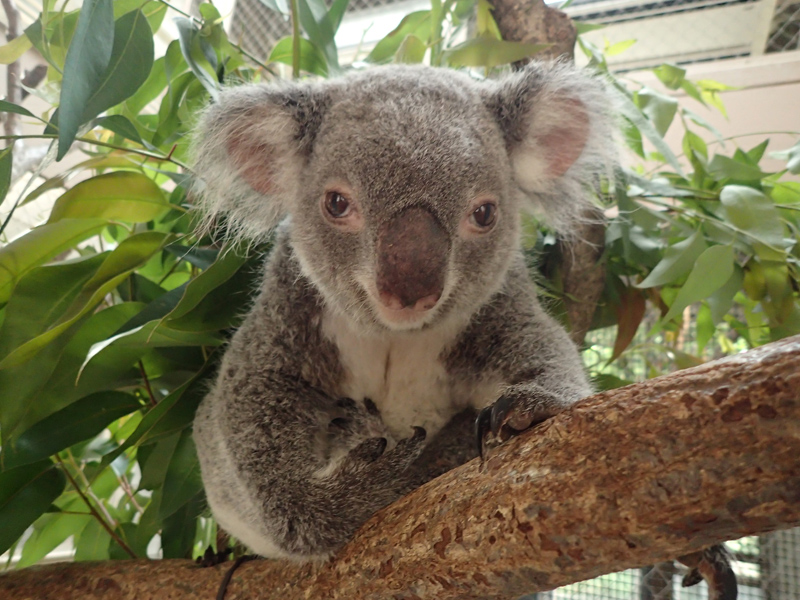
(249,151)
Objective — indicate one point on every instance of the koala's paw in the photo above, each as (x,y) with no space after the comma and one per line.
(714,566)
(355,420)
(514,412)
(384,467)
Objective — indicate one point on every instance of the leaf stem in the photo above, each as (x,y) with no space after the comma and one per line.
(295,39)
(147,384)
(94,512)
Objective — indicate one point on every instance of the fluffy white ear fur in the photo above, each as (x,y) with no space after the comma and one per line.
(560,134)
(248,158)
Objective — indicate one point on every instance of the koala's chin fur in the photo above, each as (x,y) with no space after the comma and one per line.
(396,302)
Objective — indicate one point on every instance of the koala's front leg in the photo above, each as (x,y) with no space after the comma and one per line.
(519,408)
(292,472)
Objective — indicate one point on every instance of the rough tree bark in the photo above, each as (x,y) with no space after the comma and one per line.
(626,478)
(582,273)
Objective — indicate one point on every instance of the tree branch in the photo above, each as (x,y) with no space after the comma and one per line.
(626,478)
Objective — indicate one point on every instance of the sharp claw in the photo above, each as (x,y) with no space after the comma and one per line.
(499,412)
(482,427)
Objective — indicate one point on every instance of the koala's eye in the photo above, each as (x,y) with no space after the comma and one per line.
(485,215)
(337,205)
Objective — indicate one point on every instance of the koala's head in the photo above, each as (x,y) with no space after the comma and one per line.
(403,185)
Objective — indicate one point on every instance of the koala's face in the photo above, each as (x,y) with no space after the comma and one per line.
(406,215)
(403,184)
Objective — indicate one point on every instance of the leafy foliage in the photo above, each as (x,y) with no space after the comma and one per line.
(111,312)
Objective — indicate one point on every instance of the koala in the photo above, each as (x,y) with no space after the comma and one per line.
(396,307)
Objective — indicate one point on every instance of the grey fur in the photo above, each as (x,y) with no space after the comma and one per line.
(291,467)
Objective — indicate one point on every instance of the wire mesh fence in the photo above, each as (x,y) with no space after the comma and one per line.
(680,31)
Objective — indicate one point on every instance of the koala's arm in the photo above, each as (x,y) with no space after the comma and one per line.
(513,342)
(291,470)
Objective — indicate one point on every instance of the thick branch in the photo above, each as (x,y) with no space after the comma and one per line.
(626,478)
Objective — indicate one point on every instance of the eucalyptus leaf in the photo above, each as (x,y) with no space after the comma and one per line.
(414,23)
(120,196)
(6,163)
(117,266)
(39,244)
(678,260)
(713,268)
(182,481)
(77,422)
(25,494)
(312,60)
(490,52)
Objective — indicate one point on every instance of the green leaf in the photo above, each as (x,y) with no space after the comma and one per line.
(196,52)
(724,167)
(30,312)
(121,126)
(135,342)
(693,116)
(631,111)
(678,260)
(317,24)
(178,532)
(77,422)
(6,106)
(129,66)
(51,530)
(490,52)
(791,156)
(6,162)
(14,49)
(25,493)
(414,23)
(411,51)
(93,542)
(46,384)
(182,481)
(39,244)
(336,13)
(172,414)
(671,76)
(311,58)
(752,212)
(120,196)
(88,58)
(118,265)
(619,47)
(721,301)
(713,268)
(658,107)
(158,458)
(223,269)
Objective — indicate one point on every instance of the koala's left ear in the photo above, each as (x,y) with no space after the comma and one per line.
(559,131)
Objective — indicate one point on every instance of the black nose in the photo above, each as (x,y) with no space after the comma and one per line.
(412,260)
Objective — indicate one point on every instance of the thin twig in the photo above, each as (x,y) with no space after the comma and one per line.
(94,512)
(153,400)
(144,153)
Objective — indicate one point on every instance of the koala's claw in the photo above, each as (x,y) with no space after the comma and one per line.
(714,565)
(510,415)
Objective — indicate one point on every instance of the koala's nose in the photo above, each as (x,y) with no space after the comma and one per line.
(412,260)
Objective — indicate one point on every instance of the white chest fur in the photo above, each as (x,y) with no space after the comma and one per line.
(402,373)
